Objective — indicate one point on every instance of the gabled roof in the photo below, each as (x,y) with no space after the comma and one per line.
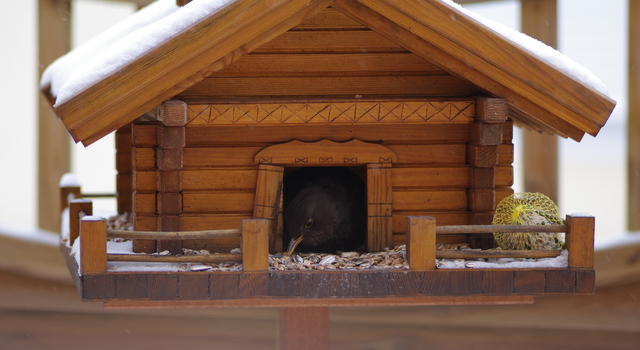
(540,95)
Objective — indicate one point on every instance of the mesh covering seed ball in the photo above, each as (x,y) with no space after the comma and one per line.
(528,208)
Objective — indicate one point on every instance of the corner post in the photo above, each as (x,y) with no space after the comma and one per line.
(379,207)
(255,245)
(169,159)
(93,244)
(68,194)
(421,242)
(268,198)
(485,135)
(78,208)
(580,239)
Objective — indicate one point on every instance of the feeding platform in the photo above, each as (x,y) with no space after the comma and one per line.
(416,97)
(258,285)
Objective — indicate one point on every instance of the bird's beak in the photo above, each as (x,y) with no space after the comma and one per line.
(293,244)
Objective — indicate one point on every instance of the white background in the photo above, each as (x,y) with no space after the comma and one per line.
(593,172)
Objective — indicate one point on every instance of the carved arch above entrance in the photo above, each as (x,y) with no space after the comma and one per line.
(325,152)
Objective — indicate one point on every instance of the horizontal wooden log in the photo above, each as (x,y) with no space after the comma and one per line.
(144,134)
(440,154)
(211,258)
(496,254)
(145,181)
(329,19)
(227,179)
(326,152)
(412,200)
(220,156)
(322,64)
(218,202)
(401,86)
(431,154)
(329,41)
(423,133)
(144,158)
(144,203)
(431,177)
(127,234)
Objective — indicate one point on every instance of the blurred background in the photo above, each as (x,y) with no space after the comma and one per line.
(40,308)
(592,173)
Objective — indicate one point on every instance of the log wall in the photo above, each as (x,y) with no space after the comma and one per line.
(329,78)
(333,55)
(432,175)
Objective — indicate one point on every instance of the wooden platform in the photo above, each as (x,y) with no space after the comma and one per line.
(327,288)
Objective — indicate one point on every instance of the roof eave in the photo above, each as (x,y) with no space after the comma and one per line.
(180,62)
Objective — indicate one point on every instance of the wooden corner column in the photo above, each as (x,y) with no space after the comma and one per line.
(485,135)
(379,203)
(169,160)
(268,198)
(124,168)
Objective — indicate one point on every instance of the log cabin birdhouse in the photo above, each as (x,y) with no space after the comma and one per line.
(216,103)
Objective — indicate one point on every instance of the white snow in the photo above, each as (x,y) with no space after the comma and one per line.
(69,180)
(122,44)
(562,261)
(161,20)
(540,49)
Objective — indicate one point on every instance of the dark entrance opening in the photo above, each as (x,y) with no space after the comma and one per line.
(327,207)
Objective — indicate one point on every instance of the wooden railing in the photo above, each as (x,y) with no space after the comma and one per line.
(420,240)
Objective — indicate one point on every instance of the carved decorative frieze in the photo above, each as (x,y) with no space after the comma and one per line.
(440,111)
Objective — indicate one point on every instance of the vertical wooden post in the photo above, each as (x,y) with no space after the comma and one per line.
(633,119)
(268,198)
(579,240)
(145,142)
(485,135)
(379,203)
(169,159)
(67,194)
(255,245)
(78,208)
(421,242)
(124,167)
(54,147)
(93,244)
(539,20)
(304,328)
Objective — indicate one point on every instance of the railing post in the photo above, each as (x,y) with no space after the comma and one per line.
(93,244)
(255,245)
(421,242)
(579,240)
(69,190)
(78,208)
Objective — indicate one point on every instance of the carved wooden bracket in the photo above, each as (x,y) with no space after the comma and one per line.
(325,152)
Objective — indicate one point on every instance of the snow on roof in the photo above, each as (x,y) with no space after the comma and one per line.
(161,20)
(539,49)
(122,44)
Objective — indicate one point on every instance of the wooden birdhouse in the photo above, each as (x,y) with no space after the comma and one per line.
(414,96)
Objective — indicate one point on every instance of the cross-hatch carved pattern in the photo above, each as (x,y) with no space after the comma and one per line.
(350,112)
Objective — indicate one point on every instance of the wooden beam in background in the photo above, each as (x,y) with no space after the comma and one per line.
(54,40)
(539,19)
(633,119)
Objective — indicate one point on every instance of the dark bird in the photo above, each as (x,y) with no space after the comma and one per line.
(324,210)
